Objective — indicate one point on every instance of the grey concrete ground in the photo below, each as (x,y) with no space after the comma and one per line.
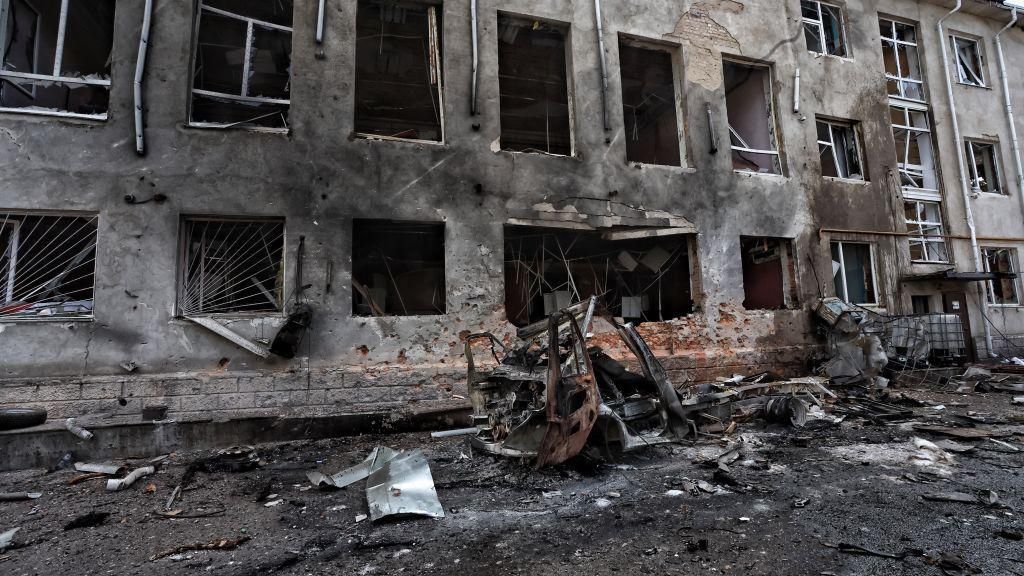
(858,478)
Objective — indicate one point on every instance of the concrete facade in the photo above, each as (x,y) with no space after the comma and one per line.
(319,177)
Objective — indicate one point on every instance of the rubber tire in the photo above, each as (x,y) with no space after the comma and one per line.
(12,418)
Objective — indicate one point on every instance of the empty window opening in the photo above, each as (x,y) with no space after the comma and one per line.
(749,103)
(921,304)
(768,273)
(969,63)
(231,266)
(1005,289)
(902,60)
(824,28)
(533,79)
(915,158)
(649,105)
(839,148)
(47,266)
(983,163)
(242,68)
(924,224)
(639,279)
(398,268)
(56,56)
(853,272)
(398,70)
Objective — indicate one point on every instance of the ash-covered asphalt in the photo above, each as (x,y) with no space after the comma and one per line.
(789,498)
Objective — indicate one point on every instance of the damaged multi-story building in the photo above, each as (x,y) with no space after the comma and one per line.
(361,184)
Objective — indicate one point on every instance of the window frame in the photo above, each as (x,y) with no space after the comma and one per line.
(969,145)
(1014,259)
(56,77)
(237,98)
(854,128)
(842,270)
(901,77)
(915,171)
(820,25)
(955,39)
(924,240)
(675,54)
(773,122)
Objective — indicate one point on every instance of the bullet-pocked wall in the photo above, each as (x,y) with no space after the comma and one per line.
(320,176)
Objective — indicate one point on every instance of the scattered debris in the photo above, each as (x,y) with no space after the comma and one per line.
(117,484)
(77,430)
(87,520)
(221,544)
(861,550)
(16,496)
(273,503)
(107,469)
(403,485)
(457,432)
(361,471)
(7,538)
(989,498)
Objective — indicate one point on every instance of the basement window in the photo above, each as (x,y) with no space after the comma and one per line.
(649,105)
(637,279)
(969,62)
(398,268)
(902,60)
(924,224)
(768,273)
(231,266)
(915,157)
(853,272)
(398,71)
(824,28)
(241,75)
(839,149)
(983,163)
(56,56)
(533,81)
(47,266)
(749,103)
(1005,290)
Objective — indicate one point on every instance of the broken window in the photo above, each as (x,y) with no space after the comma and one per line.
(533,80)
(56,56)
(824,28)
(839,148)
(853,272)
(398,70)
(749,104)
(398,268)
(47,266)
(914,154)
(924,224)
(969,67)
(983,163)
(650,109)
(231,266)
(1004,290)
(242,68)
(902,60)
(768,273)
(641,279)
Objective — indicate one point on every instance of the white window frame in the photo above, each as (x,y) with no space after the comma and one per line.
(1014,269)
(969,144)
(251,23)
(773,125)
(902,76)
(58,61)
(820,25)
(842,271)
(831,144)
(924,240)
(963,73)
(915,171)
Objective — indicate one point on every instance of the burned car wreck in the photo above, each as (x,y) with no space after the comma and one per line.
(550,395)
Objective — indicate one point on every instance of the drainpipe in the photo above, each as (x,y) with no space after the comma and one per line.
(964,186)
(320,12)
(476,58)
(604,63)
(1009,108)
(140,69)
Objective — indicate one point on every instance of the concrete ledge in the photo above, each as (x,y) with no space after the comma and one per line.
(42,446)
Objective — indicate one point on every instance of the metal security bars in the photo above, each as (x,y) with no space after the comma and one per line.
(969,69)
(924,223)
(902,60)
(839,148)
(47,266)
(56,56)
(824,28)
(231,266)
(242,64)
